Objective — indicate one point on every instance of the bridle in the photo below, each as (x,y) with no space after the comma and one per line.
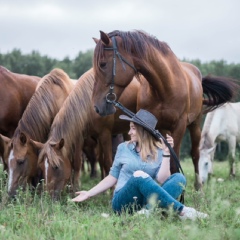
(111,96)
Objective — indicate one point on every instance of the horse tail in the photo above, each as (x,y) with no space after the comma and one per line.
(218,90)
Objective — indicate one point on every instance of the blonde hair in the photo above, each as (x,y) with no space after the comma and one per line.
(147,144)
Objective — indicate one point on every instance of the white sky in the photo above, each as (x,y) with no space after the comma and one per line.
(206,30)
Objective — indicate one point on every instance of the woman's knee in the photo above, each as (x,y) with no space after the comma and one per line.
(179,177)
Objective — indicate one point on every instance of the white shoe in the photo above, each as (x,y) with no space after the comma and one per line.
(144,211)
(192,214)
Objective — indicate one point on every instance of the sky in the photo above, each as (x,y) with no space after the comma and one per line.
(206,30)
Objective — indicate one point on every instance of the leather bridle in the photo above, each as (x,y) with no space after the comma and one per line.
(111,96)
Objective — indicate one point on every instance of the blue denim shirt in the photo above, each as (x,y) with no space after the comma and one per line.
(127,161)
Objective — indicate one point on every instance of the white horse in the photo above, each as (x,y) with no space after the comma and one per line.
(222,124)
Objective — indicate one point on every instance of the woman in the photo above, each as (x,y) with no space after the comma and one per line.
(136,166)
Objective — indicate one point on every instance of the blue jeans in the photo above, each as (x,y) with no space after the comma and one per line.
(138,190)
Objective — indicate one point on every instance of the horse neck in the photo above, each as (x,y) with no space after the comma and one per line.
(210,130)
(74,118)
(161,73)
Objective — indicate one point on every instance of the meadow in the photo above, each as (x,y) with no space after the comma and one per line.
(32,216)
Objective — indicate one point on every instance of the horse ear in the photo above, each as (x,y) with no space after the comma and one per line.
(61,144)
(210,150)
(38,146)
(58,145)
(104,37)
(23,138)
(95,40)
(3,143)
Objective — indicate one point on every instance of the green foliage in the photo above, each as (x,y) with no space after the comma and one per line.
(35,64)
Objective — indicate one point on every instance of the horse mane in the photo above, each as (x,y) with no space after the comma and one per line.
(72,121)
(136,41)
(205,142)
(41,109)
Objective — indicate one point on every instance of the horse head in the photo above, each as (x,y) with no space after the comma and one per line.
(111,59)
(55,166)
(205,163)
(22,163)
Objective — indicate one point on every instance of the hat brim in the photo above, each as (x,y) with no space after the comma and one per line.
(124,117)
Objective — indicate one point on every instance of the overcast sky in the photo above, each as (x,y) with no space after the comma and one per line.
(206,30)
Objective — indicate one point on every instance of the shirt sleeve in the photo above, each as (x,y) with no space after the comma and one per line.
(117,165)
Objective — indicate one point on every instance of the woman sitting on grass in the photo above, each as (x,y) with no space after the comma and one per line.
(137,163)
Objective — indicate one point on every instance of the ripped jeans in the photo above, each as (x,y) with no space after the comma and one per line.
(137,192)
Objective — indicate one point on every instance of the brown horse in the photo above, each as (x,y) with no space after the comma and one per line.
(15,93)
(173,92)
(20,152)
(75,122)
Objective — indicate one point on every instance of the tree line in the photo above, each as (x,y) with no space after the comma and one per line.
(38,65)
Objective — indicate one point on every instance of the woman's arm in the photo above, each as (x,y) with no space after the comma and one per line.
(164,171)
(102,186)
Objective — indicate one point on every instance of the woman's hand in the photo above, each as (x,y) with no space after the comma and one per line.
(164,147)
(83,195)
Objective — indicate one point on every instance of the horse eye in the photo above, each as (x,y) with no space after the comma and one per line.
(102,64)
(55,167)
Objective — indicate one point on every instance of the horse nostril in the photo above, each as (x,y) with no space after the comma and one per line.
(96,109)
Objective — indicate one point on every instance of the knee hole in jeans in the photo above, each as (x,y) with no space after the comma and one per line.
(140,173)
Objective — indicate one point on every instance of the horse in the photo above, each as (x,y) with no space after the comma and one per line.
(20,152)
(222,124)
(15,93)
(60,158)
(175,92)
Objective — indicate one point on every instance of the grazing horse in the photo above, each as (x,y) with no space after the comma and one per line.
(174,91)
(76,121)
(15,93)
(222,124)
(21,151)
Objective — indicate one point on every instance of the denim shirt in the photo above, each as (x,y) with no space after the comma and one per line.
(127,161)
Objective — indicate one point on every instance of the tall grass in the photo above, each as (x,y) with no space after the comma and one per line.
(34,216)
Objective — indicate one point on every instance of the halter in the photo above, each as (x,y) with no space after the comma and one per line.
(122,60)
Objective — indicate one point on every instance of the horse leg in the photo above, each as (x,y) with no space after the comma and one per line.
(91,150)
(231,156)
(195,134)
(106,146)
(101,162)
(77,163)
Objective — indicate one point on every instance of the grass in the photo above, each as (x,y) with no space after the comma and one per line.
(34,216)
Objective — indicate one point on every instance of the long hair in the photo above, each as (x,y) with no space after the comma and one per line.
(147,143)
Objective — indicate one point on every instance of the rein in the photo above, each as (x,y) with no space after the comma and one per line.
(111,98)
(155,132)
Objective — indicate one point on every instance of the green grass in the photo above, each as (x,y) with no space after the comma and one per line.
(34,216)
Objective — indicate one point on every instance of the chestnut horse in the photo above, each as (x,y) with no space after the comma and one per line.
(21,151)
(75,122)
(15,93)
(174,91)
